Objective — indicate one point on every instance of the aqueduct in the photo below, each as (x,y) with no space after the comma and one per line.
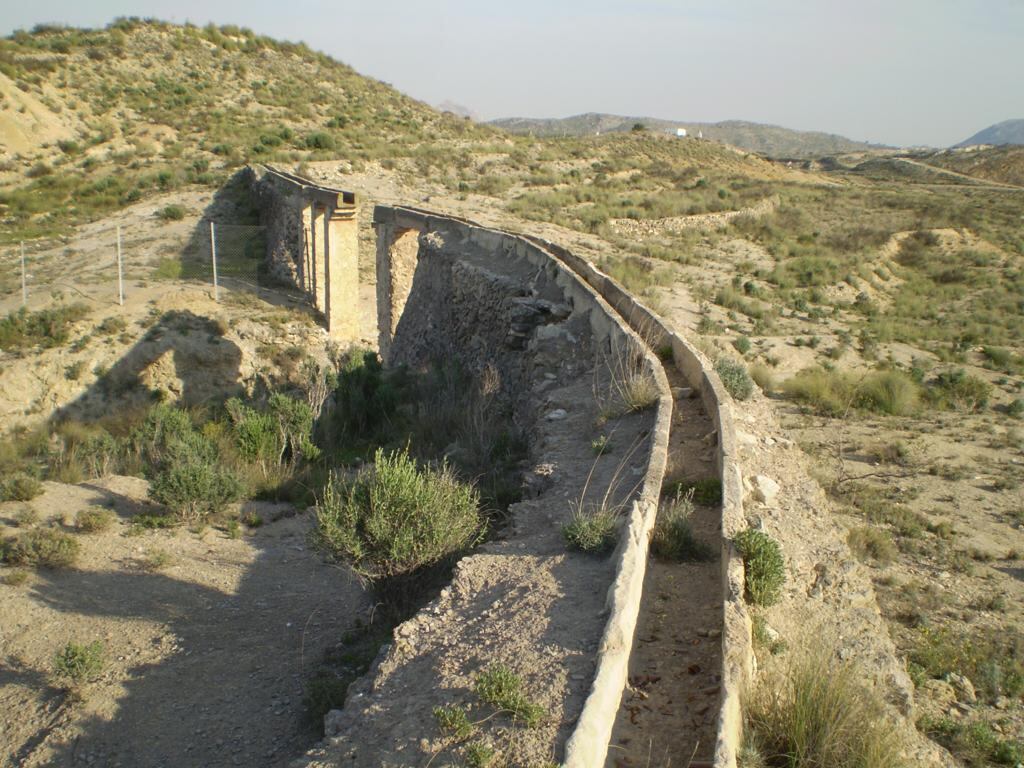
(533,311)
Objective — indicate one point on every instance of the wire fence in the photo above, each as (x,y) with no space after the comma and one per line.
(109,263)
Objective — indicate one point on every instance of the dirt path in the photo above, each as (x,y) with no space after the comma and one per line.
(669,710)
(206,657)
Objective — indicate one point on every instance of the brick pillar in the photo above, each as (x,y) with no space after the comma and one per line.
(306,251)
(318,253)
(397,256)
(341,284)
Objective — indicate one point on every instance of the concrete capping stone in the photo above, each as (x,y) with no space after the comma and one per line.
(618,311)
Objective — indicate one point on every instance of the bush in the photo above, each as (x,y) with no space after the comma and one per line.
(958,390)
(593,531)
(44,547)
(741,344)
(888,392)
(816,712)
(765,569)
(195,489)
(395,518)
(319,140)
(46,328)
(734,377)
(95,519)
(1015,410)
(78,663)
(171,213)
(20,487)
(870,543)
(673,538)
(834,393)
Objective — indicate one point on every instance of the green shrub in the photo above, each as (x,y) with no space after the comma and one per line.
(592,530)
(501,688)
(673,537)
(46,547)
(741,344)
(765,569)
(20,487)
(194,490)
(816,712)
(395,518)
(95,519)
(734,377)
(78,663)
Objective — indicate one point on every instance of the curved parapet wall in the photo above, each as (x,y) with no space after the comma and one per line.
(588,744)
(737,648)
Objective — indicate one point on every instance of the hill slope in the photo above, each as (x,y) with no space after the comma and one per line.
(771,140)
(1006,132)
(91,120)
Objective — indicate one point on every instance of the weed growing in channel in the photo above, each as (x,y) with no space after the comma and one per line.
(673,537)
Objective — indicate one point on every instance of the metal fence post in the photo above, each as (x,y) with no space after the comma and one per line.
(120,276)
(213,255)
(24,290)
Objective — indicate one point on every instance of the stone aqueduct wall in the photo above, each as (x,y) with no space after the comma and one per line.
(615,317)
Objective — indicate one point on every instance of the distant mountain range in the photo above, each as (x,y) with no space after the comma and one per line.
(1006,132)
(770,140)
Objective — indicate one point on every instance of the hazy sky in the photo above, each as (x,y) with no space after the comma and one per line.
(897,71)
